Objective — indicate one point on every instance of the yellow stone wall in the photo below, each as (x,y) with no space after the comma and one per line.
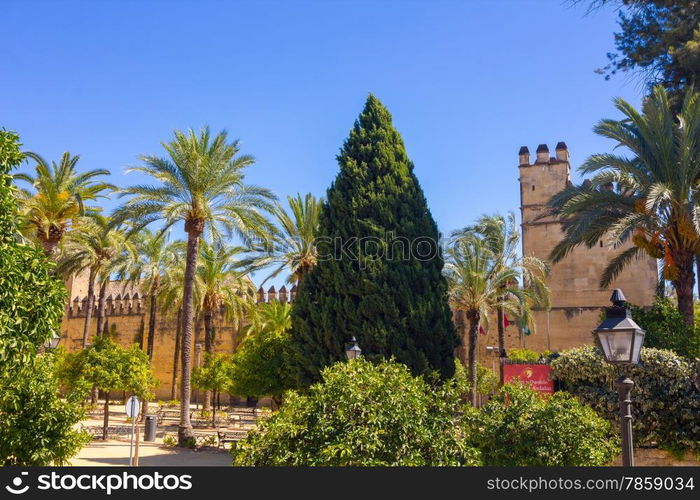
(127,323)
(576,298)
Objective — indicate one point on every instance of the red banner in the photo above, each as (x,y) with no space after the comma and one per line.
(536,376)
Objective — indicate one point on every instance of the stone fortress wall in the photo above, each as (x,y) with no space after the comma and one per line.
(576,297)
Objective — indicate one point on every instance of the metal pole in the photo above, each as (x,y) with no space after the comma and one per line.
(133,423)
(624,387)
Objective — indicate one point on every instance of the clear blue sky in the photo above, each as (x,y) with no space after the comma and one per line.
(468,82)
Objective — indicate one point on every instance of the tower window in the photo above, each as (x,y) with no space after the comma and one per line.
(533,187)
(601,243)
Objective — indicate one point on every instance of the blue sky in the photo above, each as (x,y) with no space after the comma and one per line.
(468,82)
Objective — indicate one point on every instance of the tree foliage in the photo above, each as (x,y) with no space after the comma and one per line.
(259,365)
(666,329)
(362,414)
(378,276)
(520,427)
(659,39)
(109,367)
(37,426)
(665,396)
(59,197)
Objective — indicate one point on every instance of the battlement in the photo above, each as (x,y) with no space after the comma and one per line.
(282,295)
(134,303)
(561,153)
(119,305)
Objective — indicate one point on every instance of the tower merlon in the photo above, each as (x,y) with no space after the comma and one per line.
(524,156)
(542,154)
(562,151)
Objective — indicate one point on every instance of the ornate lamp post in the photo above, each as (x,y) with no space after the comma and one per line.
(353,350)
(621,340)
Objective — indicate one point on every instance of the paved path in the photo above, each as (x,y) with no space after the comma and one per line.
(116,453)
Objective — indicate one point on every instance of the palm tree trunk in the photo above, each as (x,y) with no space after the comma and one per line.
(88,309)
(102,309)
(460,323)
(151,324)
(194,230)
(684,284)
(50,243)
(501,343)
(208,334)
(473,339)
(178,340)
(105,417)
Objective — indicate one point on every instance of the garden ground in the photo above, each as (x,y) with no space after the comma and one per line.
(116,453)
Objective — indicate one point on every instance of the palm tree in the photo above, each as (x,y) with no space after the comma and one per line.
(480,284)
(102,250)
(649,198)
(273,317)
(153,257)
(293,246)
(200,183)
(58,198)
(503,239)
(221,283)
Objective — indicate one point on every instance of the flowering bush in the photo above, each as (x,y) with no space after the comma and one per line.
(665,396)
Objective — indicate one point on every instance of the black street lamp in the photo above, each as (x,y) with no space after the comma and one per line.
(51,344)
(353,350)
(621,340)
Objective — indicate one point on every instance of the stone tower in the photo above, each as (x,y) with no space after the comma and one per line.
(576,297)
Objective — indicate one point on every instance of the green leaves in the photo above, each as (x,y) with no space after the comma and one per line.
(37,426)
(521,427)
(362,414)
(665,397)
(108,367)
(259,365)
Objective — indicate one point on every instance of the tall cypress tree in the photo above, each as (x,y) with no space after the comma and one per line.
(379,273)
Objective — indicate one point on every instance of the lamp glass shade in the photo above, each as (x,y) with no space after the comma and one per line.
(353,350)
(53,343)
(637,347)
(617,344)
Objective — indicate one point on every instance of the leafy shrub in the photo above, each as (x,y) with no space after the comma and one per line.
(170,440)
(665,396)
(362,414)
(527,355)
(37,426)
(666,328)
(521,427)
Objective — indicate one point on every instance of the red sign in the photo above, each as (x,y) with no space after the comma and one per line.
(536,376)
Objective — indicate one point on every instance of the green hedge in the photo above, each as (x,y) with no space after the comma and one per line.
(666,399)
(520,427)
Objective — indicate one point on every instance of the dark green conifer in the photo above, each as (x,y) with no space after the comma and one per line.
(379,273)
